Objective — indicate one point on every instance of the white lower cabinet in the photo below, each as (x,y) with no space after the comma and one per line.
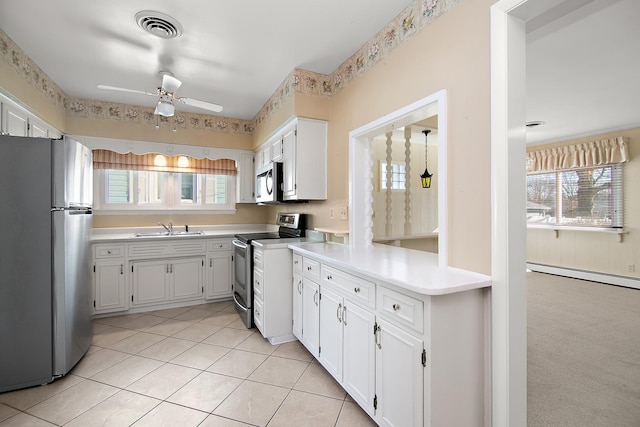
(311,315)
(331,332)
(160,281)
(358,377)
(219,275)
(110,293)
(296,323)
(399,376)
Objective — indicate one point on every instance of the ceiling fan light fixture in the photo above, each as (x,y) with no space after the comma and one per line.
(165,106)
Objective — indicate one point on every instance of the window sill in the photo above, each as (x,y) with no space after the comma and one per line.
(558,228)
(163,212)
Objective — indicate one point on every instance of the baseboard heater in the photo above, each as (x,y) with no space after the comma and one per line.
(611,279)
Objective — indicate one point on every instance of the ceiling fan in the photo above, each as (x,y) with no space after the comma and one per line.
(166,96)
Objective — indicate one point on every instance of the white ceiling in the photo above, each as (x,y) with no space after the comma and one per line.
(233,52)
(582,70)
(581,66)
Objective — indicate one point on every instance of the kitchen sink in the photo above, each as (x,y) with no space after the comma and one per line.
(167,234)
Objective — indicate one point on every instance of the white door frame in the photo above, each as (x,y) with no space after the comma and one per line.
(508,204)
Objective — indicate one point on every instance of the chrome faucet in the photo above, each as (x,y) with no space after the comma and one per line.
(169,227)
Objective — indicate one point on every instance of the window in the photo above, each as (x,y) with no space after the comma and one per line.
(148,190)
(586,197)
(398,176)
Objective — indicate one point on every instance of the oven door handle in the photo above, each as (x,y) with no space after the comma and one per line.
(239,244)
(238,303)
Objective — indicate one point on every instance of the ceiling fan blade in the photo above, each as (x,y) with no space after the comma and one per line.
(170,83)
(201,104)
(121,89)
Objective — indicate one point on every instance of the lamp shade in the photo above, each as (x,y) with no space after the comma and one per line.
(165,107)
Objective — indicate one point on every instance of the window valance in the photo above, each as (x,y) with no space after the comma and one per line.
(588,154)
(106,159)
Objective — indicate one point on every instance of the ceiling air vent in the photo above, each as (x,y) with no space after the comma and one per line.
(159,24)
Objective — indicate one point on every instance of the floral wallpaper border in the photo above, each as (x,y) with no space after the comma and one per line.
(401,29)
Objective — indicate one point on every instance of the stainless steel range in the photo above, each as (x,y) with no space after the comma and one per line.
(290,225)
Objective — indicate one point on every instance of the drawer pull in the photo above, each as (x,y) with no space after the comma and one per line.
(295,262)
(109,251)
(308,268)
(396,307)
(356,290)
(329,277)
(338,313)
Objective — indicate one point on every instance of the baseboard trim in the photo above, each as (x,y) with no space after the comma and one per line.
(611,279)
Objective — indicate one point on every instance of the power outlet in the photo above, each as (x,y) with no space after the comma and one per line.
(631,268)
(331,213)
(343,213)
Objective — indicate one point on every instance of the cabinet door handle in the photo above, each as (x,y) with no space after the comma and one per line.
(167,268)
(210,262)
(378,337)
(300,287)
(315,298)
(356,290)
(338,313)
(121,269)
(344,315)
(396,307)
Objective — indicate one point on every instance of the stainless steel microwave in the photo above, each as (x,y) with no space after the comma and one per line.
(269,183)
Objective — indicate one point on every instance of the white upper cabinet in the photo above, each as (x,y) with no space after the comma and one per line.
(16,121)
(246,179)
(301,145)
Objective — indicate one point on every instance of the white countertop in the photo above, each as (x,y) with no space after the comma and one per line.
(405,268)
(125,234)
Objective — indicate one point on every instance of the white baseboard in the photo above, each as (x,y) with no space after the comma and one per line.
(628,282)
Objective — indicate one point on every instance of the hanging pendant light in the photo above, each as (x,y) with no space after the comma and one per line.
(426,176)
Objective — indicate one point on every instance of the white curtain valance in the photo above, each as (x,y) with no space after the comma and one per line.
(588,154)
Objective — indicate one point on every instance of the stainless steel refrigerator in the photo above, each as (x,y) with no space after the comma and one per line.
(46,196)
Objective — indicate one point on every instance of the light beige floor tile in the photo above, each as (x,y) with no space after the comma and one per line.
(228,337)
(237,363)
(200,356)
(127,372)
(168,327)
(136,343)
(98,361)
(352,415)
(230,308)
(164,381)
(205,392)
(118,320)
(121,409)
(239,324)
(197,332)
(317,380)
(111,336)
(143,322)
(100,327)
(279,371)
(214,306)
(309,410)
(293,350)
(216,421)
(220,318)
(68,404)
(253,403)
(93,349)
(167,349)
(193,315)
(24,420)
(170,415)
(170,312)
(258,344)
(26,398)
(7,412)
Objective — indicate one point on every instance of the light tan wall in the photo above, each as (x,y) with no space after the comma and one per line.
(245,214)
(453,54)
(594,251)
(146,132)
(273,122)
